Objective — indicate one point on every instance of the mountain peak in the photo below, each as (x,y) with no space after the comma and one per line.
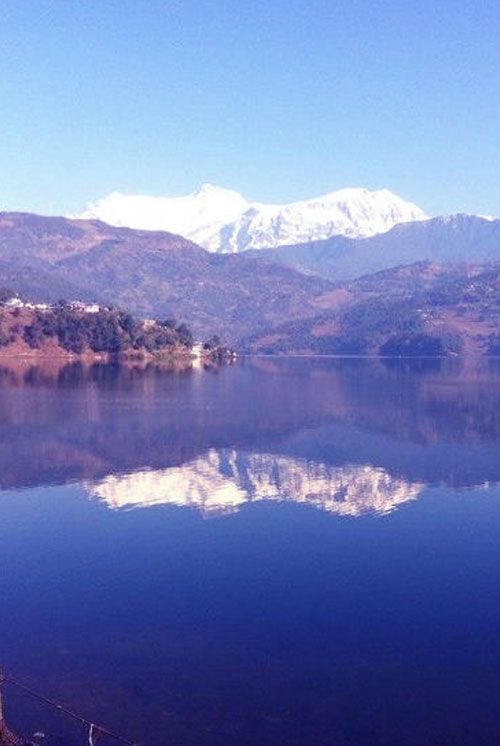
(208,190)
(222,220)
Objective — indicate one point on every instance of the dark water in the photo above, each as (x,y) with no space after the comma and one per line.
(280,552)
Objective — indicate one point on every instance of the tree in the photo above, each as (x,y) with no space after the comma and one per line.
(169,323)
(33,335)
(212,343)
(127,323)
(6,294)
(185,336)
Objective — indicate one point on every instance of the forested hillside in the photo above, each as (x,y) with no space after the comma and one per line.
(76,329)
(423,309)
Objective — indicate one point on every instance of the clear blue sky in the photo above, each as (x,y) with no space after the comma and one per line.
(279,99)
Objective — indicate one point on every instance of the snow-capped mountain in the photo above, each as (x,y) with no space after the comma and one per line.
(221,220)
(221,482)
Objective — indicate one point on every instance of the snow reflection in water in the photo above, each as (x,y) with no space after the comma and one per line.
(221,482)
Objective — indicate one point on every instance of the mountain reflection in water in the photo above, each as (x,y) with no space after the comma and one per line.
(350,436)
(222,481)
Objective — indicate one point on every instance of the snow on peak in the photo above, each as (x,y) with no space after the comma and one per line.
(211,191)
(208,207)
(222,220)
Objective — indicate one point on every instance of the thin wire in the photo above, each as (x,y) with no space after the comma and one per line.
(98,728)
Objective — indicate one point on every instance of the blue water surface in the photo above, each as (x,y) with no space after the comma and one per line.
(277,552)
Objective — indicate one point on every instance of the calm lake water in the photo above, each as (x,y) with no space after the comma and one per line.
(281,552)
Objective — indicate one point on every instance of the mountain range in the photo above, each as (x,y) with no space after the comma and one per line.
(221,220)
(427,285)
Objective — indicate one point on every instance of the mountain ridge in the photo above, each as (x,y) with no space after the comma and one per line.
(222,220)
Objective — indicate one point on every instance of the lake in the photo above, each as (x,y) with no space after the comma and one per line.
(279,552)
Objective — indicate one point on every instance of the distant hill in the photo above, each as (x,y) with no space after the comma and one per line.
(426,309)
(458,238)
(152,274)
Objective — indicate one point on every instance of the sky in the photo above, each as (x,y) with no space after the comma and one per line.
(278,99)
